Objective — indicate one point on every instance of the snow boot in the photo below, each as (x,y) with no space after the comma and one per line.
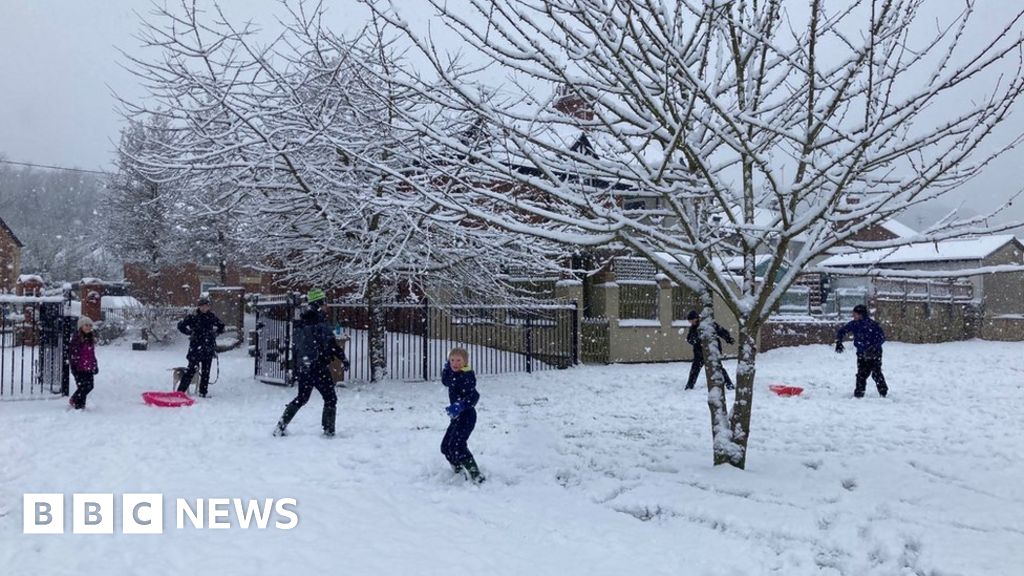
(279,430)
(473,470)
(328,433)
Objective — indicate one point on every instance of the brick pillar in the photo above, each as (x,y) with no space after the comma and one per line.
(229,305)
(29,286)
(665,303)
(91,293)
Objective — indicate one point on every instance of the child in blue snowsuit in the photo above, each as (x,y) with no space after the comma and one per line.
(868,338)
(460,381)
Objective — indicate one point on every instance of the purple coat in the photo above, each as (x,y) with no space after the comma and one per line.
(83,354)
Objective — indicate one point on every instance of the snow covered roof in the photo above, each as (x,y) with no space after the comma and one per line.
(119,302)
(29,278)
(898,228)
(944,251)
(735,263)
(6,228)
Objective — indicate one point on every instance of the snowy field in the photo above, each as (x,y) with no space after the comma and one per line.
(592,471)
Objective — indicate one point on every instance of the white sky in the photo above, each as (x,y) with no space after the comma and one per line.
(59,66)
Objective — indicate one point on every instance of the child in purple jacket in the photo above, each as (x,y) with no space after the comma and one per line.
(83,361)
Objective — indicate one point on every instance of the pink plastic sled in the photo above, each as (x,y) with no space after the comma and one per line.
(785,391)
(167,399)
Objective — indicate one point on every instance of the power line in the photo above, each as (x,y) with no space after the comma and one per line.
(49,167)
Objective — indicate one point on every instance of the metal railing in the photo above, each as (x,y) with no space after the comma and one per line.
(924,290)
(34,334)
(499,339)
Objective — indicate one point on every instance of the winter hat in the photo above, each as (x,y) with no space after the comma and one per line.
(692,315)
(203,301)
(315,295)
(861,309)
(84,321)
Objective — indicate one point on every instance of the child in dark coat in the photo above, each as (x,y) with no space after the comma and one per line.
(458,377)
(693,337)
(868,338)
(202,329)
(83,364)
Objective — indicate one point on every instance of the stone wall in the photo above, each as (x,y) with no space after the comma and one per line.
(924,322)
(781,333)
(1003,328)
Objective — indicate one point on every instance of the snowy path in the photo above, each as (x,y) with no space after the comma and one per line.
(593,471)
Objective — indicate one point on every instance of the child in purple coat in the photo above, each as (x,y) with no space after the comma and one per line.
(83,361)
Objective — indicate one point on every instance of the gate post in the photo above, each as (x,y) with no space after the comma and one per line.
(529,344)
(575,332)
(293,303)
(67,329)
(426,339)
(256,340)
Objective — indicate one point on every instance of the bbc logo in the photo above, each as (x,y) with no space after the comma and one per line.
(93,514)
(144,513)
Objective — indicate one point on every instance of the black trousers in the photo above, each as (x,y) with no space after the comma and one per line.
(323,383)
(870,366)
(84,383)
(204,375)
(697,366)
(455,444)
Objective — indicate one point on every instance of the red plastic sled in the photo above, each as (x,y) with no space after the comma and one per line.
(785,391)
(167,399)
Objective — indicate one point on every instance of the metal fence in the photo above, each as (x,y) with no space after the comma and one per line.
(418,337)
(638,301)
(34,334)
(924,290)
(684,299)
(499,339)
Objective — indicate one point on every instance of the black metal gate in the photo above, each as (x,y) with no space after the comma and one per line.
(34,335)
(499,339)
(272,341)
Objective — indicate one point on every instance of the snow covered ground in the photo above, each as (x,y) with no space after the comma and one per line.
(592,471)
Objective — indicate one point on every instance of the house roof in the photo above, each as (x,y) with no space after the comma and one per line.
(944,251)
(6,228)
(898,228)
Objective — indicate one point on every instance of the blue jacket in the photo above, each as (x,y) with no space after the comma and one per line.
(461,385)
(868,336)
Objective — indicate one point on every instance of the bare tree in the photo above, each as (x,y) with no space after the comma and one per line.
(745,126)
(300,137)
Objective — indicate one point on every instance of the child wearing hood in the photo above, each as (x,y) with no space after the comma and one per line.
(84,366)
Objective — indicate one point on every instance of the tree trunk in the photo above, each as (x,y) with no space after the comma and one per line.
(739,420)
(377,330)
(721,432)
(222,260)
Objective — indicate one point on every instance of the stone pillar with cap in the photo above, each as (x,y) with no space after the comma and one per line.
(29,285)
(228,303)
(90,291)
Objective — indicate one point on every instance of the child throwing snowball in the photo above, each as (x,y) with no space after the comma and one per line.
(460,381)
(84,367)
